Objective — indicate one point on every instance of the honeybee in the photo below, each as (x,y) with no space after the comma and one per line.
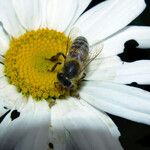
(75,65)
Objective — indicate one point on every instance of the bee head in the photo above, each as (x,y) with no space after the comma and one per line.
(63,80)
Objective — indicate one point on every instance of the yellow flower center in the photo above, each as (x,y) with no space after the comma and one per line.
(28,63)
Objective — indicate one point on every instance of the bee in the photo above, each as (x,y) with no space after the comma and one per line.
(75,65)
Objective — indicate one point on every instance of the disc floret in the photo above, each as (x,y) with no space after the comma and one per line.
(28,65)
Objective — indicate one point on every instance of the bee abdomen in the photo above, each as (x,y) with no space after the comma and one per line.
(80,42)
(79,48)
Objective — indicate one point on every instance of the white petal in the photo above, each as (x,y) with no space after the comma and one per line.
(43,6)
(9,97)
(82,5)
(138,71)
(108,17)
(2,104)
(1,67)
(29,131)
(60,13)
(124,101)
(4,41)
(114,70)
(3,80)
(103,69)
(3,111)
(29,13)
(84,126)
(9,20)
(115,44)
(57,134)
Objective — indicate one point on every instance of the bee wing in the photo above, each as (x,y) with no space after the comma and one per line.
(72,35)
(93,54)
(95,51)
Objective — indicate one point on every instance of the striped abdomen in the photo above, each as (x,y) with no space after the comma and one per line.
(79,49)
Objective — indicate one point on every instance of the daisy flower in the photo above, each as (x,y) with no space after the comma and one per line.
(32,114)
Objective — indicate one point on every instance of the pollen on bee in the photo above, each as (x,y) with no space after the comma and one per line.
(27,66)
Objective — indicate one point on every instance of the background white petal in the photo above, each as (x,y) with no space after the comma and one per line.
(3,80)
(114,70)
(121,100)
(60,13)
(29,13)
(138,71)
(115,44)
(57,134)
(4,41)
(1,67)
(108,17)
(84,127)
(81,6)
(29,130)
(9,19)
(9,97)
(12,99)
(43,7)
(103,69)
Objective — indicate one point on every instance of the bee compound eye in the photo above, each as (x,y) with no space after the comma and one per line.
(60,76)
(63,80)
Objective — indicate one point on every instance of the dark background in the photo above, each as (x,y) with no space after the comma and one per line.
(134,136)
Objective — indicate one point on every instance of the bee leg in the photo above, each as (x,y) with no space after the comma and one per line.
(81,79)
(77,96)
(54,67)
(55,57)
(58,86)
(73,91)
(83,76)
